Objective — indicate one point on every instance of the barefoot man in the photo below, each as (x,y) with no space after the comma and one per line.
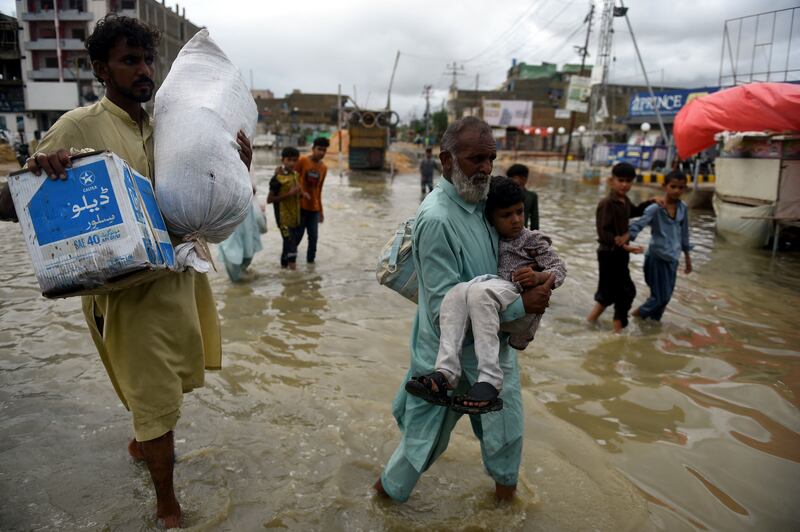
(154,339)
(453,242)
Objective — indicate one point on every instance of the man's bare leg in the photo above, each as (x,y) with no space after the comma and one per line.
(504,493)
(595,313)
(160,457)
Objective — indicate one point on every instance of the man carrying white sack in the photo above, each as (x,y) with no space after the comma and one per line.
(154,339)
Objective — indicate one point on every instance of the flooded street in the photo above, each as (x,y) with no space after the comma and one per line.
(691,424)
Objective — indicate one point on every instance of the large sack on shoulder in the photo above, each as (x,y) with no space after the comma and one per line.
(202,186)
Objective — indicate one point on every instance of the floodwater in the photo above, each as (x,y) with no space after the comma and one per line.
(691,424)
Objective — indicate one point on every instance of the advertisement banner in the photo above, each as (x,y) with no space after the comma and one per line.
(580,89)
(668,102)
(507,113)
(563,113)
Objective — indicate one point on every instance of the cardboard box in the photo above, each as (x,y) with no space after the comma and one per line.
(99,230)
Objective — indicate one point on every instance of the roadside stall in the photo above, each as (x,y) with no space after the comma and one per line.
(758,171)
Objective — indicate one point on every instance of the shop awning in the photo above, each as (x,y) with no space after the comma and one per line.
(753,107)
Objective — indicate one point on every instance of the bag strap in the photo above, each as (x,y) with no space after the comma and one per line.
(398,242)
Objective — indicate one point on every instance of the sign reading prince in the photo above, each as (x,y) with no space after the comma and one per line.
(668,102)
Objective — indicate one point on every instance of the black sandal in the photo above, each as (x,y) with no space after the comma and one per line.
(480,392)
(422,387)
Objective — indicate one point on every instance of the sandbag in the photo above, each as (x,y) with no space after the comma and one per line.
(202,186)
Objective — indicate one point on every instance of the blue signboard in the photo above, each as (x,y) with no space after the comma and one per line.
(668,102)
(84,202)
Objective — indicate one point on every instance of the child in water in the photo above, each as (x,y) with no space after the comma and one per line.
(669,227)
(478,302)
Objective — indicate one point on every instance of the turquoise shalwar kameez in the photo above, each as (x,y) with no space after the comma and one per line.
(452,243)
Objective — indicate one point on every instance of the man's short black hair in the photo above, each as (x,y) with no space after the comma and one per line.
(518,170)
(503,192)
(321,142)
(289,151)
(675,175)
(623,171)
(110,28)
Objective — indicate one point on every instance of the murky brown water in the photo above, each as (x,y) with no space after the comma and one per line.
(690,424)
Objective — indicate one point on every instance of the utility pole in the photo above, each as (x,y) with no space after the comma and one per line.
(667,140)
(455,70)
(598,110)
(477,81)
(584,52)
(426,90)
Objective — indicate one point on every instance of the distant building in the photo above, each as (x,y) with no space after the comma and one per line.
(12,100)
(264,94)
(56,71)
(298,113)
(546,86)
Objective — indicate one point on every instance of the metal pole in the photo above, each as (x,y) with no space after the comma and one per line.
(647,81)
(755,45)
(583,64)
(789,47)
(339,126)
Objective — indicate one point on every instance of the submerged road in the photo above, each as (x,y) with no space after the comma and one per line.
(685,425)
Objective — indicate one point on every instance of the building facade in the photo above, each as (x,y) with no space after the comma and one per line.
(56,72)
(546,87)
(12,101)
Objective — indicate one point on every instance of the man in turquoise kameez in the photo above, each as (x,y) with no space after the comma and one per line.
(453,242)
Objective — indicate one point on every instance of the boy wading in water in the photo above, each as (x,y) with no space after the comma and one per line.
(669,226)
(480,301)
(614,286)
(285,194)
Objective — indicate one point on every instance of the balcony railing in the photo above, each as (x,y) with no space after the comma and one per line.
(50,44)
(63,14)
(51,74)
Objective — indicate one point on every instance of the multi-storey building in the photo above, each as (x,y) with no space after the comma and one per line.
(12,102)
(56,71)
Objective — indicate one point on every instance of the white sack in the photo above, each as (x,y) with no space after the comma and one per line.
(202,186)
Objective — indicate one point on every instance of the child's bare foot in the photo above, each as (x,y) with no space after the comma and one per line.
(292,265)
(636,313)
(618,326)
(594,315)
(135,450)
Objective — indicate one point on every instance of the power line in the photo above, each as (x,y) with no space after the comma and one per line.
(505,34)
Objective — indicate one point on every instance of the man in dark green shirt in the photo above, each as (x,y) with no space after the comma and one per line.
(519,173)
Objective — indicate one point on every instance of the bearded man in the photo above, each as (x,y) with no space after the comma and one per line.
(452,243)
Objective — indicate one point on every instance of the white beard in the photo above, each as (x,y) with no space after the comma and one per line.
(472,189)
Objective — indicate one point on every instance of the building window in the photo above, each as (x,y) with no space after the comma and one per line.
(128,4)
(79,33)
(51,62)
(76,5)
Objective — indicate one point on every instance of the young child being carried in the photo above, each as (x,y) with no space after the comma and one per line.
(478,303)
(284,194)
(669,229)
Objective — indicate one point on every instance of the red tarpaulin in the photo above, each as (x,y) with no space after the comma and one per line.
(754,107)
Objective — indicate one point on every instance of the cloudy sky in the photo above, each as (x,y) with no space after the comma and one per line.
(314,45)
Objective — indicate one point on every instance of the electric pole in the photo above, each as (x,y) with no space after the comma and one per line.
(455,70)
(426,90)
(584,51)
(598,110)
